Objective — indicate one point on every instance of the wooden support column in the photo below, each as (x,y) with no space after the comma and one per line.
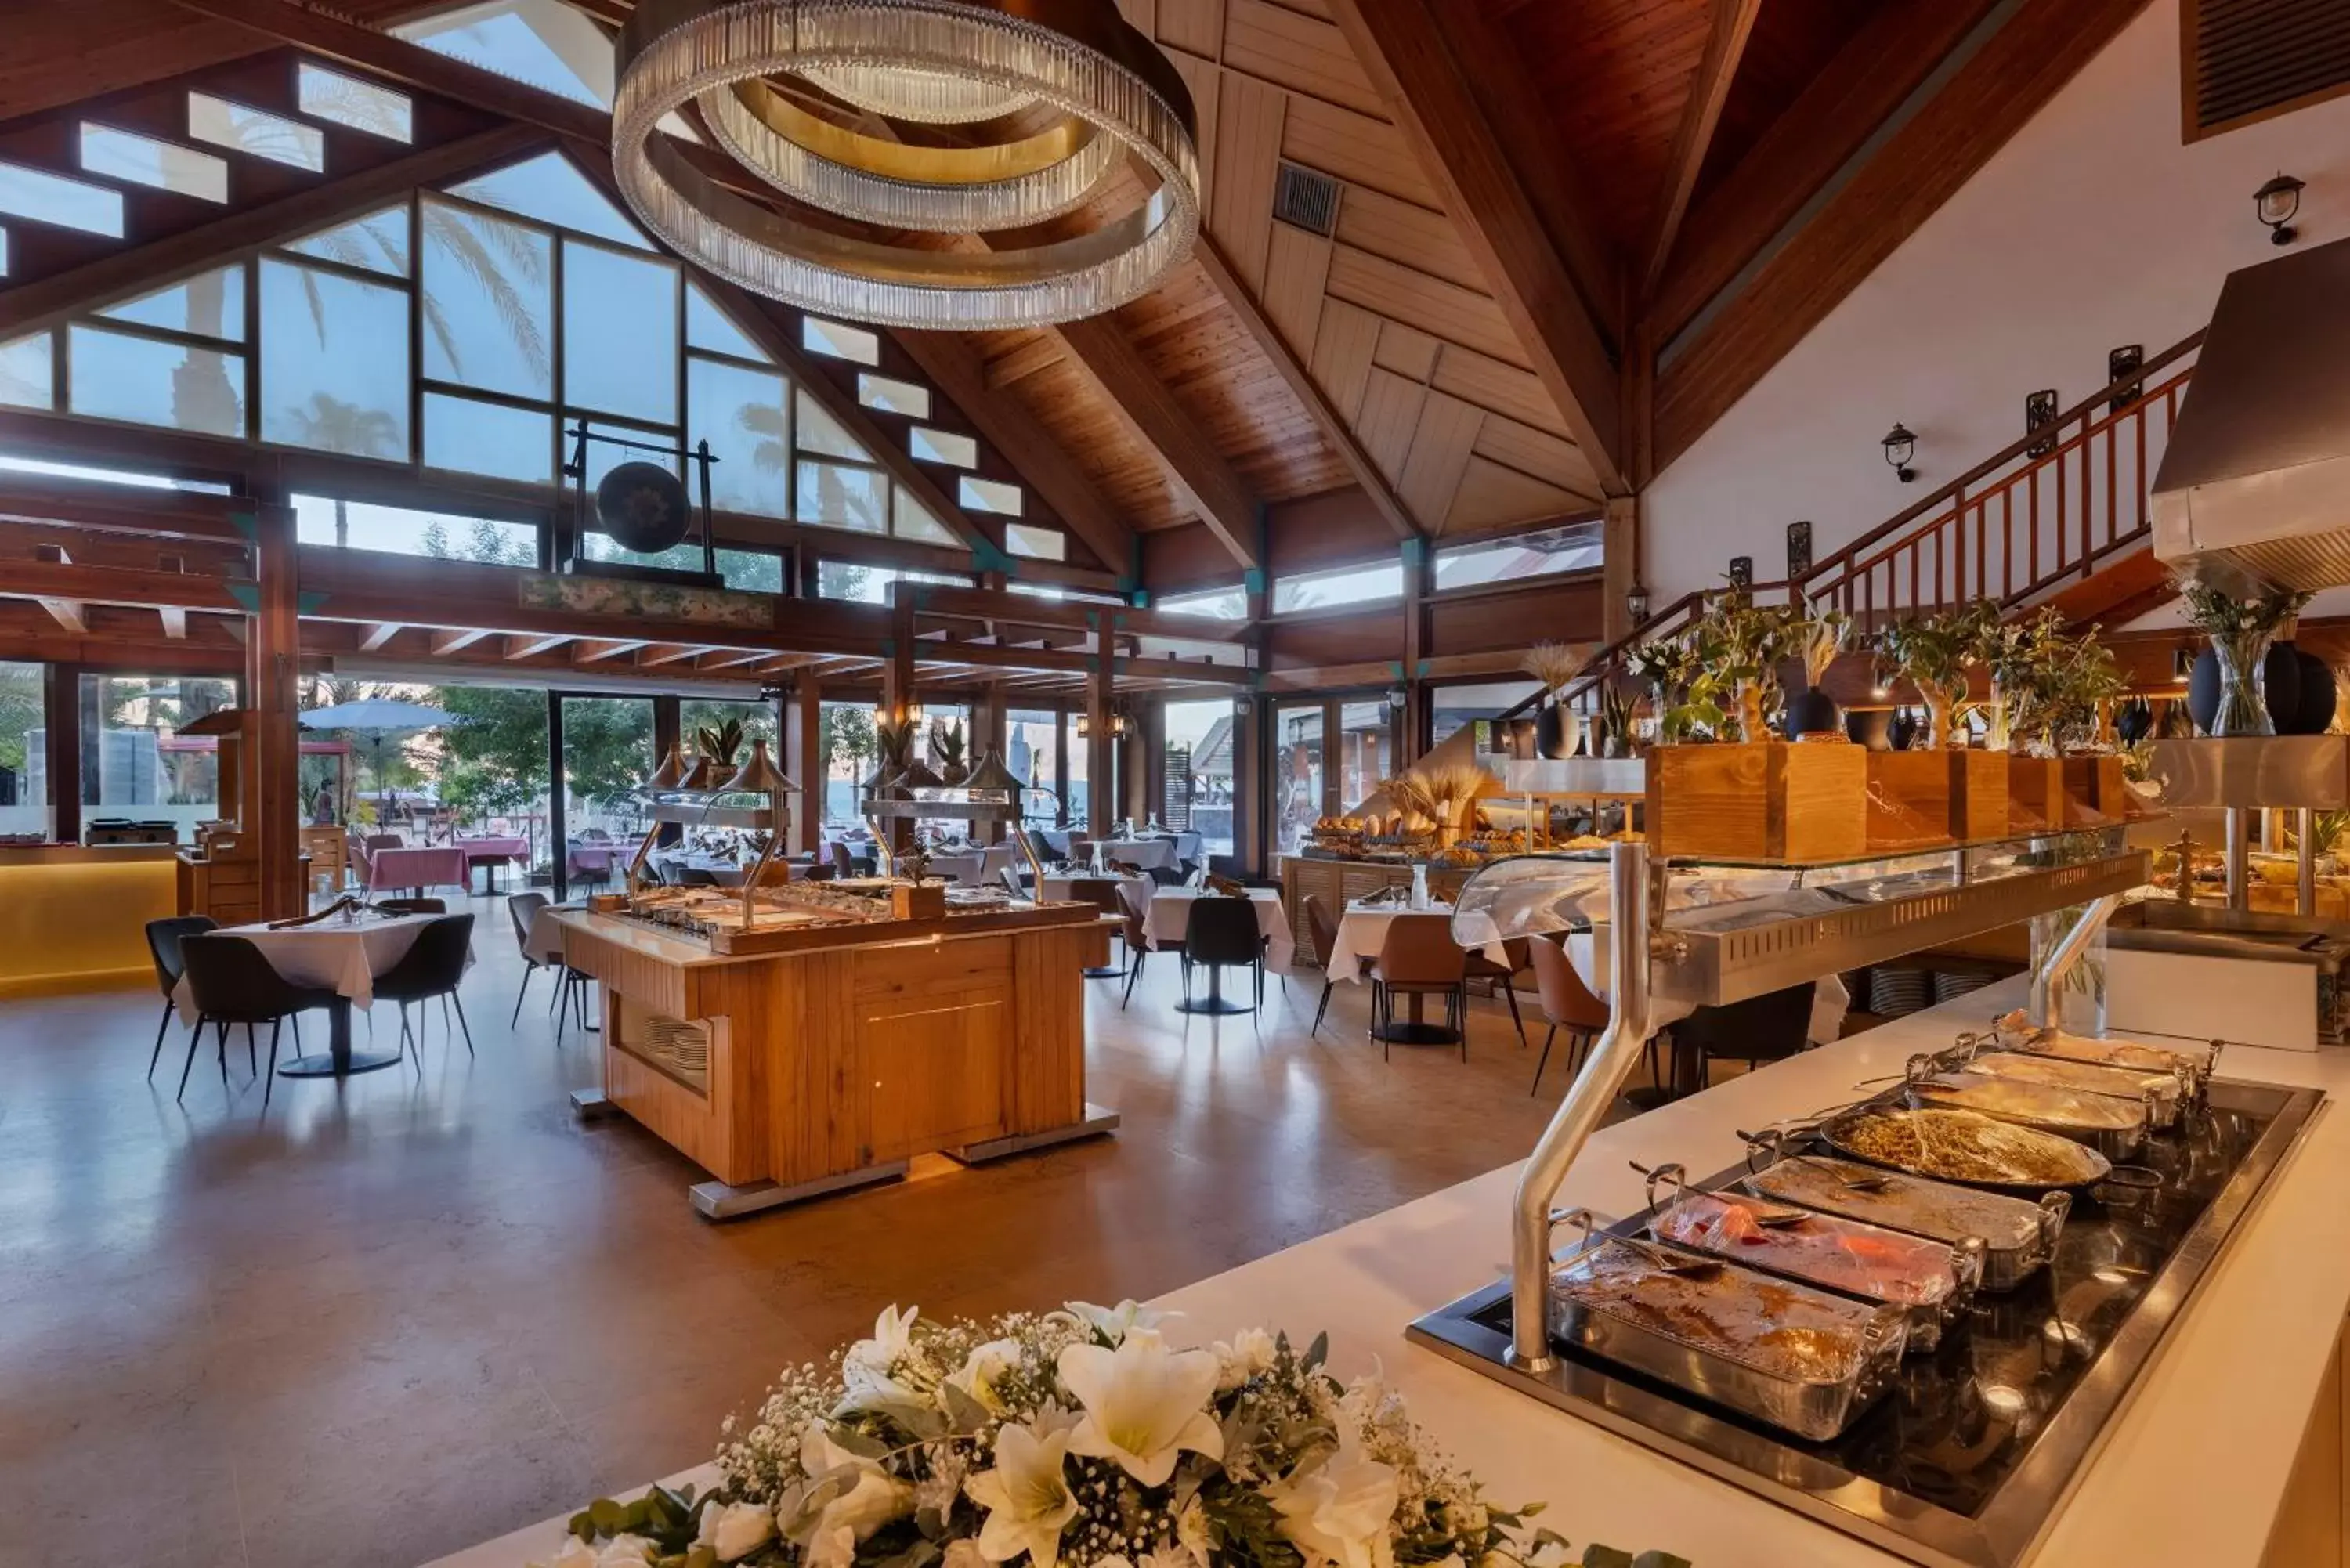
(271,797)
(898,681)
(1619,566)
(990,732)
(1248,785)
(1101,689)
(1146,772)
(61,750)
(804,760)
(1412,723)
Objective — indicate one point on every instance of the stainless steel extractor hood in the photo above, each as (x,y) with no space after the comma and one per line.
(2255,485)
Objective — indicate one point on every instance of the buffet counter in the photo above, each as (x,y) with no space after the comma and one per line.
(829,1061)
(2197,1470)
(73,918)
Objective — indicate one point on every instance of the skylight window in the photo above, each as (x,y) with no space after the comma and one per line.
(1339,586)
(329,95)
(910,519)
(893,397)
(1216,604)
(942,446)
(243,129)
(48,198)
(550,190)
(835,341)
(990,496)
(820,432)
(1037,543)
(210,304)
(543,43)
(15,464)
(377,242)
(27,372)
(144,160)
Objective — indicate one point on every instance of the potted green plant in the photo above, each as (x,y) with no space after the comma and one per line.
(1747,642)
(1556,729)
(948,744)
(1820,635)
(1617,711)
(1933,653)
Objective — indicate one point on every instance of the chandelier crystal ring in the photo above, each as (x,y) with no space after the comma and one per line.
(1087,94)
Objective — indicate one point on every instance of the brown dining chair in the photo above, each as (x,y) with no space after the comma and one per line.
(1138,945)
(1419,958)
(1322,931)
(1497,976)
(1566,1004)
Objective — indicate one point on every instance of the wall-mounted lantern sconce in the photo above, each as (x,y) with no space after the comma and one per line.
(1117,726)
(1901,446)
(1242,707)
(2182,664)
(1397,698)
(1635,603)
(2276,202)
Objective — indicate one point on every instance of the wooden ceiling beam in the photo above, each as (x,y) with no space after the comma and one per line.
(956,370)
(68,614)
(1454,90)
(1111,365)
(593,650)
(448,642)
(729,658)
(379,634)
(1908,175)
(659,653)
(1725,45)
(1893,51)
(176,622)
(1340,435)
(533,647)
(44,302)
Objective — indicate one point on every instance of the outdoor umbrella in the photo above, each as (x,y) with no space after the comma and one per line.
(378,717)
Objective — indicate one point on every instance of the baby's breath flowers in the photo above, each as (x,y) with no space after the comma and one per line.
(1077,1439)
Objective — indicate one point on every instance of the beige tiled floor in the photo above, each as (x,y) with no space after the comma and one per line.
(382,1322)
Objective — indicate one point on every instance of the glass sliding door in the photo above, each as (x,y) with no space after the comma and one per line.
(1366,750)
(136,764)
(608,752)
(1030,752)
(1198,772)
(24,754)
(849,755)
(1296,796)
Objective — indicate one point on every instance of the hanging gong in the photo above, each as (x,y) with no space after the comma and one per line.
(643,507)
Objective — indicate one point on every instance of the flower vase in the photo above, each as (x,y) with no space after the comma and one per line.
(2243,707)
(1418,899)
(1554,734)
(1751,724)
(1995,731)
(1939,711)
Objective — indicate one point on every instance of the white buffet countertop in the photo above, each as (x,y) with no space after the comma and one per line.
(2191,1471)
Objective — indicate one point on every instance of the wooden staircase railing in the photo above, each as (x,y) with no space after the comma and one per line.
(2047,509)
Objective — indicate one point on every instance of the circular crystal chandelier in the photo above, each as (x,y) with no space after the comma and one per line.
(921,118)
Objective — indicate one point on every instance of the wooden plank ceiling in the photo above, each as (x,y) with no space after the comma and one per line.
(1556,254)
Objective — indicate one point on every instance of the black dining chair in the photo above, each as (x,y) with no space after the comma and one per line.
(1103,894)
(233,982)
(1766,1028)
(411,906)
(163,939)
(522,908)
(1223,933)
(431,968)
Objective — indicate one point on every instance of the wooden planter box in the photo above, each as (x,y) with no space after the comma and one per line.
(1921,798)
(927,901)
(2095,792)
(1766,800)
(2035,794)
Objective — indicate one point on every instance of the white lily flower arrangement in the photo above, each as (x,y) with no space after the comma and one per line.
(1077,1439)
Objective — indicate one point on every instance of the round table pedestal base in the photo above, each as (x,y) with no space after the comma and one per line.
(1417,1035)
(1213,1003)
(1105,972)
(326,1066)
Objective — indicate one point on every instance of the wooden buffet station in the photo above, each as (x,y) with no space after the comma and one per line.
(828,1057)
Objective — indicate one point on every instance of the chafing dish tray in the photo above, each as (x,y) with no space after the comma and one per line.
(1964,1146)
(1800,1359)
(2113,1126)
(2018,1236)
(2010,1032)
(1931,1283)
(2163,1092)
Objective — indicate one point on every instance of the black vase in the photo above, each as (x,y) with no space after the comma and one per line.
(1550,732)
(2313,714)
(2280,687)
(2134,721)
(1870,728)
(1903,730)
(1812,713)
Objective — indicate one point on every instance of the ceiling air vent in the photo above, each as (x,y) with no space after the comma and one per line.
(2253,59)
(1307,199)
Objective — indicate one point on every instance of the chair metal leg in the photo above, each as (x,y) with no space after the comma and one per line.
(1133,973)
(270,1083)
(468,1028)
(1327,986)
(1510,991)
(162,1029)
(562,1005)
(219,1050)
(1544,1060)
(1457,1007)
(528,969)
(250,1064)
(196,1040)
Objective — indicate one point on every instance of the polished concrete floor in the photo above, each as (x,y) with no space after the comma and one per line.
(382,1321)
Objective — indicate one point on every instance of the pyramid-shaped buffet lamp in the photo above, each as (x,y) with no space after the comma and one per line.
(759,775)
(917,775)
(702,776)
(671,775)
(993,780)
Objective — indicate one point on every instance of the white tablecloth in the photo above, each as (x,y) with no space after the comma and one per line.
(1056,886)
(1170,917)
(1145,853)
(1361,931)
(330,956)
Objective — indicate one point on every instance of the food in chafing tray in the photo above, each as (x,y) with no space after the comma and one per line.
(2014,1033)
(2084,1078)
(2018,1236)
(1845,1254)
(1786,1353)
(2106,1122)
(1964,1145)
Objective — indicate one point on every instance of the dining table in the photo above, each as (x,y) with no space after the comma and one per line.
(339,955)
(1143,853)
(1169,917)
(417,866)
(1362,927)
(491,851)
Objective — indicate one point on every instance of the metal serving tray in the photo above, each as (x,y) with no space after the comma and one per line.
(2043,1108)
(2018,1236)
(1816,1407)
(1963,1463)
(2164,1093)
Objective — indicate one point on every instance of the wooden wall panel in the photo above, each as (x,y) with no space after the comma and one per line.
(1248,119)
(1439,454)
(1356,148)
(1546,457)
(1299,53)
(1373,220)
(1192,28)
(1493,496)
(1342,356)
(1499,388)
(1390,417)
(1295,269)
(1405,350)
(1454,314)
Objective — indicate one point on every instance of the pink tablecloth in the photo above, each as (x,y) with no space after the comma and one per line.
(444,866)
(507,848)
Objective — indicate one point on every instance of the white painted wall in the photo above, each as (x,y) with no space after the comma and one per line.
(2093,227)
